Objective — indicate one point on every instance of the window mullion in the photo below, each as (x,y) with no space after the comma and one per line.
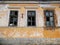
(49,18)
(13,20)
(31,21)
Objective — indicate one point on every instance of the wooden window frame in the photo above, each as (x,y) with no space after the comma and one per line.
(55,20)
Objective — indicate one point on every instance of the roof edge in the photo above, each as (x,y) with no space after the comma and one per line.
(25,2)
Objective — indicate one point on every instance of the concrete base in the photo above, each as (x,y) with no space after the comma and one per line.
(30,41)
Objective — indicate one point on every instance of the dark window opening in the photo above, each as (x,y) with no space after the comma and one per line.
(31,18)
(47,19)
(13,18)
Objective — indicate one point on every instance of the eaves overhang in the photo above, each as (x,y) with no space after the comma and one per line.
(29,2)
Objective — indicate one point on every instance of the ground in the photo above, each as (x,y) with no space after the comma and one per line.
(30,41)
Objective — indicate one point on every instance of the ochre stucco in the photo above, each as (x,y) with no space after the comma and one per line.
(16,32)
(29,32)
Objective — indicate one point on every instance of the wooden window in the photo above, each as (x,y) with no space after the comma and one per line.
(13,18)
(49,14)
(31,18)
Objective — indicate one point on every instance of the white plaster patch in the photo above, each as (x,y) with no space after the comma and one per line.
(3,7)
(58,17)
(24,34)
(40,34)
(47,6)
(4,14)
(17,34)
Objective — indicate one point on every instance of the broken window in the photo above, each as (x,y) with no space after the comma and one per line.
(13,18)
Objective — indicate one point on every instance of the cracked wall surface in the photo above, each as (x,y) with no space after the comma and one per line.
(9,34)
(14,32)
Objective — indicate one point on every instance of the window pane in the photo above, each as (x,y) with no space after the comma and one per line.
(29,13)
(29,23)
(51,23)
(47,18)
(33,13)
(47,14)
(15,23)
(31,18)
(16,13)
(33,23)
(51,13)
(12,12)
(14,19)
(48,23)
(51,18)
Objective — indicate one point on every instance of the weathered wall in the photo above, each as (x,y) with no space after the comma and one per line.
(14,32)
(3,18)
(28,32)
(22,8)
(57,11)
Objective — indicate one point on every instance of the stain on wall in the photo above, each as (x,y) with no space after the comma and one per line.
(28,32)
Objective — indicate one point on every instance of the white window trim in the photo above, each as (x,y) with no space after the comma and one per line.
(31,7)
(36,16)
(14,7)
(47,6)
(18,16)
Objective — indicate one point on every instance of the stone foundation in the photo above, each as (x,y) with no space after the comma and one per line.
(30,41)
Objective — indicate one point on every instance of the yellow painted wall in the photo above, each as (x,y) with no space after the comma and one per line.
(30,32)
(14,32)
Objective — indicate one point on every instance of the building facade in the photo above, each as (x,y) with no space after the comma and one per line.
(29,19)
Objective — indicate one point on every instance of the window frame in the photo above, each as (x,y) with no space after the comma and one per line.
(17,17)
(31,17)
(14,11)
(31,9)
(55,19)
(49,17)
